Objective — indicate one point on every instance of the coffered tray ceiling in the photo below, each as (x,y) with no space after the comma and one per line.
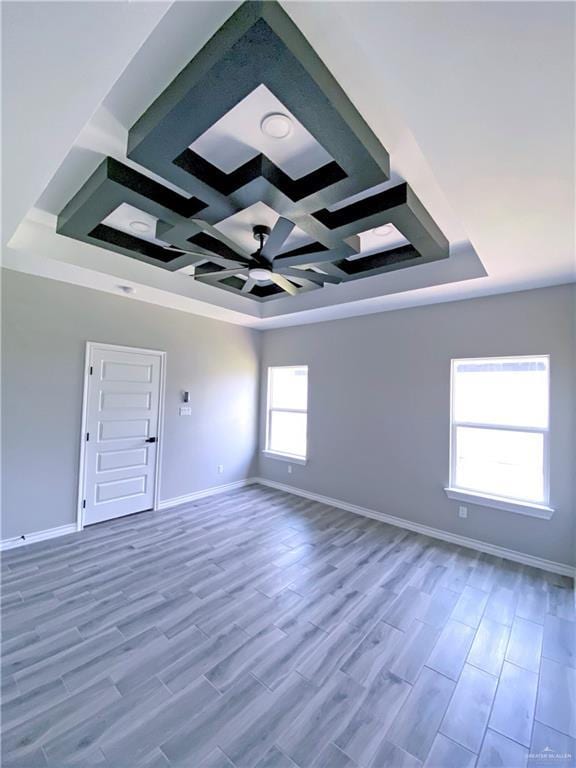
(256,118)
(270,164)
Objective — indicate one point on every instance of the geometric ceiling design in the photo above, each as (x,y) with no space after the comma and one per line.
(283,187)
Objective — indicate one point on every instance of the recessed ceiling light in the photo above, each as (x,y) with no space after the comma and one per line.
(127,288)
(259,273)
(139,226)
(276,125)
(385,231)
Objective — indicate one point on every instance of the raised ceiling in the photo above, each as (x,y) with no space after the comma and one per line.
(461,141)
(255,119)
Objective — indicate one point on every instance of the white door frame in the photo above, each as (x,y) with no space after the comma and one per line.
(82,468)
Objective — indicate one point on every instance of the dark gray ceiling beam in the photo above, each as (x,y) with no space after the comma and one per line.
(258,45)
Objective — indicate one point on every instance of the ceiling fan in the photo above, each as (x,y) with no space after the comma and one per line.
(258,267)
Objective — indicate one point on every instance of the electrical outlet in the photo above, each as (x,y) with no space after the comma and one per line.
(463,512)
(220,469)
(289,469)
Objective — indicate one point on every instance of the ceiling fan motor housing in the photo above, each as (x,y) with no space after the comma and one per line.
(261,231)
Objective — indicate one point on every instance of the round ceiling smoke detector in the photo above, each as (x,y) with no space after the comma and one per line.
(276,125)
(384,231)
(259,273)
(139,226)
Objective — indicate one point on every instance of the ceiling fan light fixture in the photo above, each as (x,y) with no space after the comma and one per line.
(259,274)
(139,226)
(276,125)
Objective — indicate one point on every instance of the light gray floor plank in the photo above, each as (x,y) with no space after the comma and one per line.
(525,644)
(416,725)
(225,673)
(130,747)
(285,656)
(251,745)
(377,651)
(375,713)
(226,717)
(260,630)
(489,646)
(513,711)
(556,701)
(466,717)
(448,754)
(450,652)
(500,752)
(320,720)
(418,643)
(470,607)
(560,640)
(550,746)
(389,754)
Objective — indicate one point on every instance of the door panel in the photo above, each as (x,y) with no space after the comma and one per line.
(109,401)
(122,429)
(121,489)
(122,413)
(126,459)
(117,371)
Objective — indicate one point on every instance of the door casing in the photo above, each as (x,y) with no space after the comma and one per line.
(82,467)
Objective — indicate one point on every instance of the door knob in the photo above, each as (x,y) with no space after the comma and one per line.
(150,440)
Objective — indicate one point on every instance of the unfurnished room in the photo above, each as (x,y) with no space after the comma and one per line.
(288,384)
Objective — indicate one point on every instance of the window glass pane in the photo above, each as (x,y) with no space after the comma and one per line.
(289,388)
(500,462)
(288,433)
(508,391)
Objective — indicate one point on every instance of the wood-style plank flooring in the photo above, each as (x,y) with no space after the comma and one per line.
(262,630)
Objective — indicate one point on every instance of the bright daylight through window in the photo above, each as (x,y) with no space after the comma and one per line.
(287,411)
(500,427)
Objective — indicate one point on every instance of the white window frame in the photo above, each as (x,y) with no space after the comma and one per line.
(537,508)
(294,459)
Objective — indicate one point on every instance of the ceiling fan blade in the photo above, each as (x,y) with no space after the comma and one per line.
(248,285)
(277,237)
(309,274)
(283,283)
(217,235)
(222,273)
(207,256)
(306,285)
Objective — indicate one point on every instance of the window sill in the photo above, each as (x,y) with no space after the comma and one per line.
(285,457)
(497,502)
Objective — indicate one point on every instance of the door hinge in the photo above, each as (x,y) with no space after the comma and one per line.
(84,504)
(87,436)
(91,370)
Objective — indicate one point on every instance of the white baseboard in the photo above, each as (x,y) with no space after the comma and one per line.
(435,533)
(177,500)
(63,530)
(32,538)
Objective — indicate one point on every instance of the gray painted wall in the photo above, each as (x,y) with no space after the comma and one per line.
(379,399)
(45,327)
(379,402)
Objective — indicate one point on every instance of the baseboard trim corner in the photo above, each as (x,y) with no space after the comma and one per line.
(33,538)
(435,533)
(176,501)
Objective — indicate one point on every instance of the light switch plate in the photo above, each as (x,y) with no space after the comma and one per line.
(185,410)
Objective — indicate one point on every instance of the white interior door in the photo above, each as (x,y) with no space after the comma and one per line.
(122,421)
